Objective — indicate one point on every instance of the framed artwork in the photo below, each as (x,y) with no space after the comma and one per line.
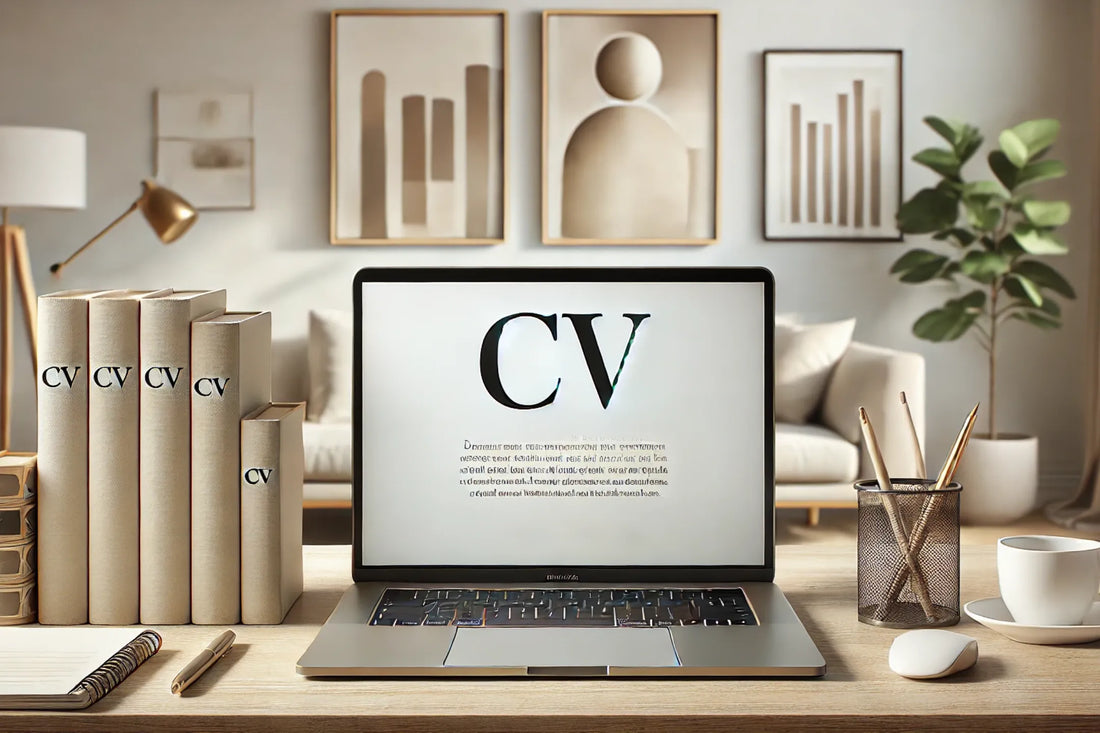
(418,140)
(832,145)
(204,147)
(629,127)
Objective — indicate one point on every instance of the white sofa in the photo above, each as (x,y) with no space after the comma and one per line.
(815,463)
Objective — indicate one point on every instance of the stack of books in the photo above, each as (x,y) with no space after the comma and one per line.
(149,466)
(17,538)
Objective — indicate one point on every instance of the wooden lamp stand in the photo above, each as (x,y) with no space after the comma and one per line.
(15,270)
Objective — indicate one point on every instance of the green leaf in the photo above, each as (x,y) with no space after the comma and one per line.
(930,210)
(969,145)
(940,160)
(1014,148)
(950,130)
(1002,167)
(983,266)
(1036,135)
(1046,213)
(1036,318)
(1044,276)
(1042,170)
(1029,289)
(949,272)
(923,273)
(991,189)
(981,213)
(914,258)
(1051,308)
(1010,247)
(918,265)
(1038,241)
(973,301)
(963,236)
(943,324)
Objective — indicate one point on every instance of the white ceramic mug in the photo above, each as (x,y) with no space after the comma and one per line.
(1047,580)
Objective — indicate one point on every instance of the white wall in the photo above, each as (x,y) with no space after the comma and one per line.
(94,64)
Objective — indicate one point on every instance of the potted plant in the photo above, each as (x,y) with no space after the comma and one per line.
(994,231)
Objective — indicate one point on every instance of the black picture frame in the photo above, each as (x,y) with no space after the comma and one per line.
(842,182)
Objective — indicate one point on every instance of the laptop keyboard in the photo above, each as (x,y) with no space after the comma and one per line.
(562,607)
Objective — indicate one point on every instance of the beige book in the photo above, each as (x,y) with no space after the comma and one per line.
(17,477)
(113,395)
(272,470)
(230,377)
(63,456)
(165,451)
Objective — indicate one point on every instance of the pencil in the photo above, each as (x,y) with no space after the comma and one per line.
(918,454)
(896,524)
(920,529)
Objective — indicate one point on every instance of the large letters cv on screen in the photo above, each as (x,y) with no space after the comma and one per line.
(586,336)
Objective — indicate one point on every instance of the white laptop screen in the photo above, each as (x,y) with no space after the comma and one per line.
(562,424)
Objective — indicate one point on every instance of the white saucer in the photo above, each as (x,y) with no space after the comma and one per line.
(991,612)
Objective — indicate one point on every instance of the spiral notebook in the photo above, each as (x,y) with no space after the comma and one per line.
(68,668)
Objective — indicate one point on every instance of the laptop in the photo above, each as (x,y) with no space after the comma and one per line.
(563,473)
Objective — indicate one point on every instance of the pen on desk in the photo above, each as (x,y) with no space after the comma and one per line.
(214,651)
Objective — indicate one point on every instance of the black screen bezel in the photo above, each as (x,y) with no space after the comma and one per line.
(467,574)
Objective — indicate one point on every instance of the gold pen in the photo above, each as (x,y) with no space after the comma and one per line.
(214,651)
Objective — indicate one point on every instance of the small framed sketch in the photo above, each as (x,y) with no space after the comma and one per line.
(418,111)
(629,127)
(204,147)
(832,145)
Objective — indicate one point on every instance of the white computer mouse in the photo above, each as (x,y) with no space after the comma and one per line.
(925,654)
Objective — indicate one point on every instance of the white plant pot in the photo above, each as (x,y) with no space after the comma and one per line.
(1000,478)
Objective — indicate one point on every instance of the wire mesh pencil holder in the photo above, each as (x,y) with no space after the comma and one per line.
(908,539)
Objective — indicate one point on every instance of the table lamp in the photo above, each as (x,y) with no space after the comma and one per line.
(167,212)
(40,167)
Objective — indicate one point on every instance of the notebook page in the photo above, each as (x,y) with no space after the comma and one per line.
(45,661)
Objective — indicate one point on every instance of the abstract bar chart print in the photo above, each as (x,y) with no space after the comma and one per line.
(418,141)
(832,145)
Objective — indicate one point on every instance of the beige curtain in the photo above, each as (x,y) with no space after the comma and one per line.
(1083,510)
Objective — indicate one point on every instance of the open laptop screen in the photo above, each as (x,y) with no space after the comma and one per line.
(563,418)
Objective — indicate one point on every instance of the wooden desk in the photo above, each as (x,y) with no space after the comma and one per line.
(1013,687)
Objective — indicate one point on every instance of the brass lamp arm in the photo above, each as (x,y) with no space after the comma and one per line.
(56,267)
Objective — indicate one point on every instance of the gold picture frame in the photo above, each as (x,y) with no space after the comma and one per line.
(405,127)
(655,89)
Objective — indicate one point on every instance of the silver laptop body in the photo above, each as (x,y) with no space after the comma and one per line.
(573,434)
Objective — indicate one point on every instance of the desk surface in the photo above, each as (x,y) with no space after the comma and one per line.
(1014,686)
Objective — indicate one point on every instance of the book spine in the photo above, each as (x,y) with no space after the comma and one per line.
(292,464)
(272,467)
(62,460)
(113,461)
(165,450)
(228,364)
(261,571)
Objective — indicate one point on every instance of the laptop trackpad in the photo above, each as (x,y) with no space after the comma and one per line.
(566,651)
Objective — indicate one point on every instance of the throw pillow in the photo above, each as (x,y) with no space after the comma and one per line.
(329,366)
(804,360)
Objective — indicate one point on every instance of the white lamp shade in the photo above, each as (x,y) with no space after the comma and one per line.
(42,167)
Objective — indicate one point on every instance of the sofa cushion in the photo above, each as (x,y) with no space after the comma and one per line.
(804,360)
(330,366)
(811,453)
(328,451)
